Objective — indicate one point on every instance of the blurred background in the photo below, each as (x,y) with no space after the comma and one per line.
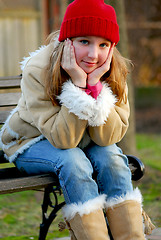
(24,26)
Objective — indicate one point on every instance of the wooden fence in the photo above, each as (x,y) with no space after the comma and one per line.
(20,33)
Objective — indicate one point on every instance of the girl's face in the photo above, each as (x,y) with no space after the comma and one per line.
(91,52)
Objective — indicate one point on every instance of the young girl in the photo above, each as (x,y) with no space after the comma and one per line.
(72,112)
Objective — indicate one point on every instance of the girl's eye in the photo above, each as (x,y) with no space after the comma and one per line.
(103,45)
(85,42)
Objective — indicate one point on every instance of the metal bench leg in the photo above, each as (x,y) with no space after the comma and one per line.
(47,220)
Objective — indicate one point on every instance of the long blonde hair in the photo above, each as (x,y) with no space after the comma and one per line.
(55,76)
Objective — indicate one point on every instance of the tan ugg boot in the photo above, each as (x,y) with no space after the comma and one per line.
(125,221)
(90,226)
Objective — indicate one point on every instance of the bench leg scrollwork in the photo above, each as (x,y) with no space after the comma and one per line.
(50,191)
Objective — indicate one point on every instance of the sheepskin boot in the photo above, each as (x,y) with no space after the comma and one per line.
(86,220)
(125,221)
(90,226)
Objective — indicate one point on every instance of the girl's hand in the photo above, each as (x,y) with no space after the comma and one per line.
(69,64)
(95,76)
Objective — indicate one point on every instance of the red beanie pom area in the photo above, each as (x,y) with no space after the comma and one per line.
(90,18)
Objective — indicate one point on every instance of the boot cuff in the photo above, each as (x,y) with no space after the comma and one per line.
(70,210)
(135,195)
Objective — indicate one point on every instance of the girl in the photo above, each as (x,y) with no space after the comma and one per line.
(72,112)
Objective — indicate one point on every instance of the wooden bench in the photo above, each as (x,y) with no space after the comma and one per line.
(11,180)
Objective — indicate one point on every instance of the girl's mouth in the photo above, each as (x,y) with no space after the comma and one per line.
(90,64)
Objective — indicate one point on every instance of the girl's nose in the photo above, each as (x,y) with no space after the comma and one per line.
(93,52)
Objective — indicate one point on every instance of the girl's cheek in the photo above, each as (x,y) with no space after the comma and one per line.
(107,53)
(104,57)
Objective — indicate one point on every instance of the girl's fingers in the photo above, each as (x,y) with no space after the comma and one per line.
(68,52)
(73,59)
(69,64)
(66,58)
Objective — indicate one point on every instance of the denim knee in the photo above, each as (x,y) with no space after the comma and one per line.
(111,166)
(75,175)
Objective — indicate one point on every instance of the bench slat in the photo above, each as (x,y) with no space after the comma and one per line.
(4,84)
(3,116)
(12,180)
(9,99)
(11,185)
(17,77)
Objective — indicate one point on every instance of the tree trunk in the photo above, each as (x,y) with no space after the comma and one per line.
(128,143)
(63,6)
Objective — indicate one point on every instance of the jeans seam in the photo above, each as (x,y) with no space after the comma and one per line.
(99,183)
(65,192)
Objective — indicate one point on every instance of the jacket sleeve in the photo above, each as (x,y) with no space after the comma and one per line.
(60,126)
(115,126)
(107,122)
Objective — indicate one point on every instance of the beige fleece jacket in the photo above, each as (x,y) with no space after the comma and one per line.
(78,120)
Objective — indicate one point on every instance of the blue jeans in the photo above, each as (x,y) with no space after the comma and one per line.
(74,168)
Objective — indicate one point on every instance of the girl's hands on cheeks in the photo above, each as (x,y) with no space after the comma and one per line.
(94,77)
(69,64)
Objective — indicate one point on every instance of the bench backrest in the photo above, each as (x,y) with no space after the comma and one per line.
(9,95)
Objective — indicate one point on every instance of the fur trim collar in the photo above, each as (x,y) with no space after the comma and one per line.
(86,107)
(31,54)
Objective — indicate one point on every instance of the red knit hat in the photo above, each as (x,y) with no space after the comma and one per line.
(90,18)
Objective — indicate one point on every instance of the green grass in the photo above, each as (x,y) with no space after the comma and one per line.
(20,213)
(51,236)
(149,150)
